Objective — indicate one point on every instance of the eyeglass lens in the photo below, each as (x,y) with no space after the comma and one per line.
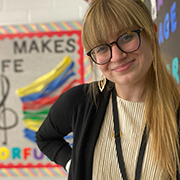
(128,42)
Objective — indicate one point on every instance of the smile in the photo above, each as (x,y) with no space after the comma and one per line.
(123,67)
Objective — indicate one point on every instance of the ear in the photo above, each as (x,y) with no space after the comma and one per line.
(155,27)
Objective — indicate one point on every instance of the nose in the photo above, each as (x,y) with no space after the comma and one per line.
(117,54)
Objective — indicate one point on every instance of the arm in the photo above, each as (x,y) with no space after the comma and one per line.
(50,136)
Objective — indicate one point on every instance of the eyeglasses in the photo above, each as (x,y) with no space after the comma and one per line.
(128,42)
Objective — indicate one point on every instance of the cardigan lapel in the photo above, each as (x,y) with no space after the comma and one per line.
(83,166)
(94,130)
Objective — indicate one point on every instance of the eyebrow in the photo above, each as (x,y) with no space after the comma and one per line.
(121,32)
(116,35)
(124,31)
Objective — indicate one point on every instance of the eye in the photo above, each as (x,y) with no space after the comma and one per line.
(101,49)
(127,38)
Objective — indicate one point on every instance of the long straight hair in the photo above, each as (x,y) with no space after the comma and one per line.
(104,19)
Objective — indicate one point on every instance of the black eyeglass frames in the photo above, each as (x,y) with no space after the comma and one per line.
(127,42)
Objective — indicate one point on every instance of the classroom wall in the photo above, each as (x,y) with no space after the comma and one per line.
(167,18)
(17,12)
(39,11)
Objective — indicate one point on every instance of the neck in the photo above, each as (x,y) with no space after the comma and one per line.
(131,92)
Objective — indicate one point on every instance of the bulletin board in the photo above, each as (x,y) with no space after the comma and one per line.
(38,62)
(166,15)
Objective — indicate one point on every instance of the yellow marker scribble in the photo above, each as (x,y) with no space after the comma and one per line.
(42,81)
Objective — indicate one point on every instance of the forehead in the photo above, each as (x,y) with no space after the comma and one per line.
(124,31)
(113,37)
(111,34)
(116,34)
(111,30)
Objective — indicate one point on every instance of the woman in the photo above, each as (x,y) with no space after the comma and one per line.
(125,126)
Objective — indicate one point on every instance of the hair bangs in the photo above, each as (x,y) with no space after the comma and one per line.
(105,20)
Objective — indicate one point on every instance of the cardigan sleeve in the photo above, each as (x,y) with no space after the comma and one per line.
(58,123)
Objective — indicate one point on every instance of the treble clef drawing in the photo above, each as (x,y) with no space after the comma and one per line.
(4,122)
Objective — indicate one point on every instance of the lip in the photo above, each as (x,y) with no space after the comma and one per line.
(123,67)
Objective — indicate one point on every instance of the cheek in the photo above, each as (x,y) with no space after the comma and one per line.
(146,51)
(103,68)
(148,55)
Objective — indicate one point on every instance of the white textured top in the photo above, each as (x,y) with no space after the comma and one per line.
(105,163)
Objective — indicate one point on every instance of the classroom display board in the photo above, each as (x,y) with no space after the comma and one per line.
(38,62)
(166,14)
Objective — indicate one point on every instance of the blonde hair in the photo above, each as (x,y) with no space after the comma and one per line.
(104,19)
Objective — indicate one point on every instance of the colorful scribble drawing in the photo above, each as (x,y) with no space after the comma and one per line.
(36,98)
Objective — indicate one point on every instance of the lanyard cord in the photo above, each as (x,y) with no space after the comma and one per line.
(118,143)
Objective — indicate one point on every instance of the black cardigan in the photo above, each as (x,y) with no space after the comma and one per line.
(76,112)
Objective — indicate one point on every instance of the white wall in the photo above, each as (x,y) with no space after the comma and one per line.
(40,11)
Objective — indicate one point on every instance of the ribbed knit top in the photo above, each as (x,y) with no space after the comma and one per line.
(131,121)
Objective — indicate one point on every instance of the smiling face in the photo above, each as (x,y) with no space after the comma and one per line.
(129,69)
(102,25)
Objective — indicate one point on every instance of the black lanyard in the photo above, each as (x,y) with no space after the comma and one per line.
(118,143)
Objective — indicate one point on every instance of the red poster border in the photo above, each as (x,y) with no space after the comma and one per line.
(81,80)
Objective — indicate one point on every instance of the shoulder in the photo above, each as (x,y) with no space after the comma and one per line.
(74,97)
(80,96)
(76,92)
(70,102)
